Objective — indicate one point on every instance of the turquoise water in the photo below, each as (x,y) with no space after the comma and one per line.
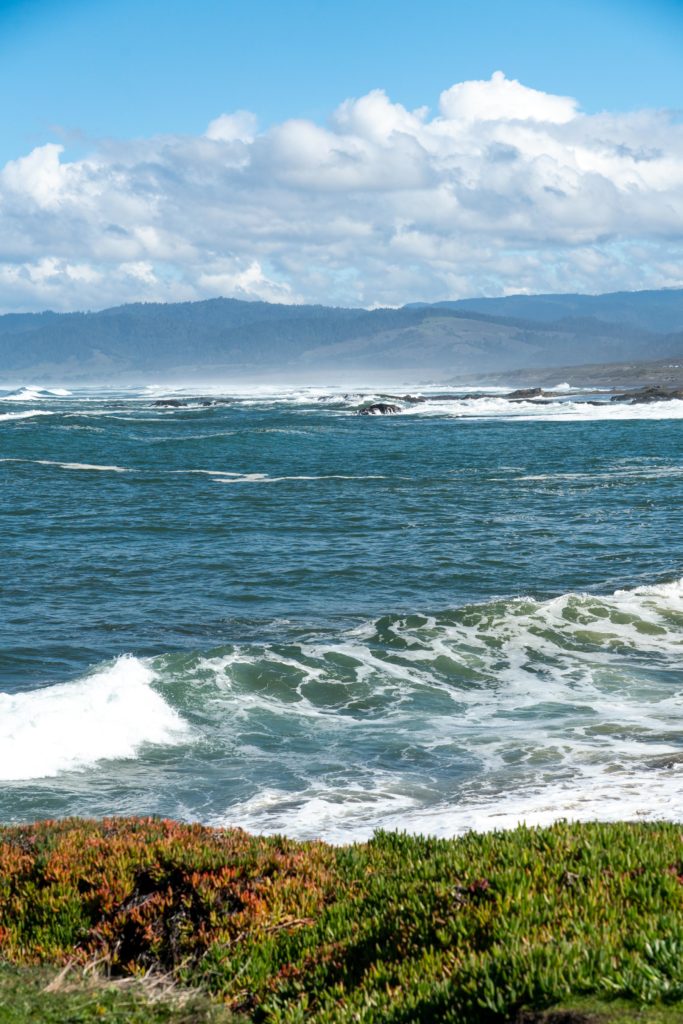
(275,613)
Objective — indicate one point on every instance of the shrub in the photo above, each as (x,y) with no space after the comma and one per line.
(400,929)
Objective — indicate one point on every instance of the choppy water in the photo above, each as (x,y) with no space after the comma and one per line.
(275,613)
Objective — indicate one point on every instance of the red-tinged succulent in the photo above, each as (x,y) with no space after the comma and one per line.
(469,929)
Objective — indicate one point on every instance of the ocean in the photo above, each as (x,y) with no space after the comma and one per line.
(257,608)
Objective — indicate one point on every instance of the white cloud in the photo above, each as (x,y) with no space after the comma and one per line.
(238,127)
(504,99)
(248,282)
(39,176)
(505,189)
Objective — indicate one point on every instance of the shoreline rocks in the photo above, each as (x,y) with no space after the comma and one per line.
(646,395)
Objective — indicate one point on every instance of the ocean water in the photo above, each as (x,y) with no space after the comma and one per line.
(274,613)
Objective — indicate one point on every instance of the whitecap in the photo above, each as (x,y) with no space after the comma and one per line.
(565,410)
(33,393)
(70,465)
(352,814)
(83,466)
(111,713)
(560,706)
(28,414)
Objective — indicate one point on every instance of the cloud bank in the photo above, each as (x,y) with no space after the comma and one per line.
(503,189)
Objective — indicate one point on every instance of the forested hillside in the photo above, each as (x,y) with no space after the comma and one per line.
(232,337)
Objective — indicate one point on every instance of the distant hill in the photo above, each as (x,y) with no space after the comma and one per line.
(229,337)
(660,311)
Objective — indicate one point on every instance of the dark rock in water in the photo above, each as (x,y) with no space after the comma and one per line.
(643,396)
(533,401)
(181,403)
(380,409)
(458,396)
(411,399)
(522,393)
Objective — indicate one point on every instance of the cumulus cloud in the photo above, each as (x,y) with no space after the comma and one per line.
(502,99)
(238,127)
(504,189)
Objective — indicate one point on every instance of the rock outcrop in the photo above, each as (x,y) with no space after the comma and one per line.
(380,409)
(643,396)
(523,393)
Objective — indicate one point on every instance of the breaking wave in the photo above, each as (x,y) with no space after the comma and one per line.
(27,414)
(112,713)
(480,717)
(564,409)
(477,718)
(34,394)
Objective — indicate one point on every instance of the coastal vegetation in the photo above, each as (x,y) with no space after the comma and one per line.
(148,919)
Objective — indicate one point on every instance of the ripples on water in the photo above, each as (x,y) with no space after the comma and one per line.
(275,613)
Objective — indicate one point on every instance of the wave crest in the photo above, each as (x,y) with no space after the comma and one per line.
(109,714)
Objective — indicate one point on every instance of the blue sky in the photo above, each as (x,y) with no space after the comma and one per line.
(143,67)
(358,153)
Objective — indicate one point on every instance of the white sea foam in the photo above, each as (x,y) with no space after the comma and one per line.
(434,400)
(28,414)
(347,814)
(562,409)
(264,478)
(83,466)
(33,393)
(616,474)
(350,395)
(564,706)
(109,714)
(223,476)
(69,465)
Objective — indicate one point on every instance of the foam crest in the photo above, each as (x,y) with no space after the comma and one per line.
(342,815)
(33,393)
(69,465)
(264,478)
(109,714)
(28,414)
(83,466)
(563,409)
(489,715)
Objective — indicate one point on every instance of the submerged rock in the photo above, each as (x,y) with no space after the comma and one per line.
(170,403)
(380,409)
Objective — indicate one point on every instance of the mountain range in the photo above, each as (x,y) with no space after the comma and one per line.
(231,337)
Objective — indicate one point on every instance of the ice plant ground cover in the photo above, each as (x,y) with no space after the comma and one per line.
(487,927)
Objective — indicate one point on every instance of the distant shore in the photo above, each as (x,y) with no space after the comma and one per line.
(667,373)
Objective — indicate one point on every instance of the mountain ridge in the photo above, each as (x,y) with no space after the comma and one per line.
(236,337)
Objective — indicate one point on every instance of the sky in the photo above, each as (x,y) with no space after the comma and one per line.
(367,154)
